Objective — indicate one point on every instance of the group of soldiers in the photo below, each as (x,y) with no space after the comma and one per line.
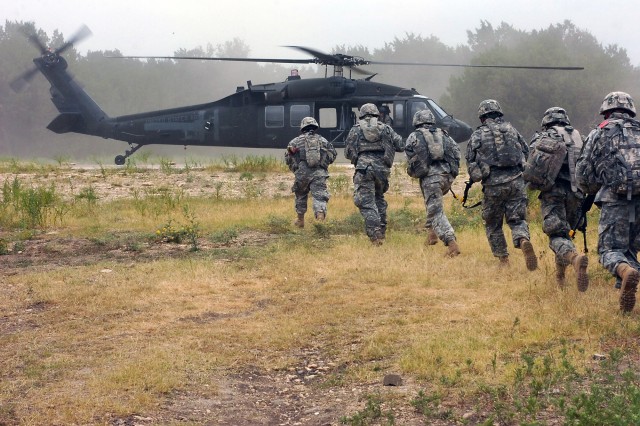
(606,168)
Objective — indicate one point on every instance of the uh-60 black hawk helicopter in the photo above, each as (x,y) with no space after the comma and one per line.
(258,116)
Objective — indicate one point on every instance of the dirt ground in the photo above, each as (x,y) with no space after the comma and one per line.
(253,397)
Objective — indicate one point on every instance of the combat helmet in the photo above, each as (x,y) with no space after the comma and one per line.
(384,109)
(488,106)
(308,122)
(424,116)
(555,115)
(618,100)
(369,109)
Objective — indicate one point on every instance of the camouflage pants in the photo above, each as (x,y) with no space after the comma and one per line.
(505,201)
(560,209)
(432,192)
(317,185)
(369,187)
(619,234)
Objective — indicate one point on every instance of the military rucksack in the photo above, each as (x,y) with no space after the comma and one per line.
(312,148)
(548,154)
(429,148)
(617,157)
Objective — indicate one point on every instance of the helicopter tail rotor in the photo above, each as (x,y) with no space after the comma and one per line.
(48,57)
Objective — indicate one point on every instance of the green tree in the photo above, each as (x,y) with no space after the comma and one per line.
(526,94)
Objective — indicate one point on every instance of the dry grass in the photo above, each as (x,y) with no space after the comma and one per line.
(86,344)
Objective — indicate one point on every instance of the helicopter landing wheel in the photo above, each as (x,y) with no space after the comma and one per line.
(120,160)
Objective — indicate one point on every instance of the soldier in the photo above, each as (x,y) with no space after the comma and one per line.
(609,166)
(551,169)
(495,156)
(434,158)
(385,116)
(371,147)
(308,157)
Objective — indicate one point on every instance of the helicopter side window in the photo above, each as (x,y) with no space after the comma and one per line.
(274,116)
(398,114)
(328,117)
(297,113)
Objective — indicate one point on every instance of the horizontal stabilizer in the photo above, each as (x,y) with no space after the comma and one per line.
(67,122)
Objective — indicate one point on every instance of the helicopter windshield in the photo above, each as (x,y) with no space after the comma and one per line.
(436,109)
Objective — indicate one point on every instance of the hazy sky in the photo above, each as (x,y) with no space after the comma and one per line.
(159,27)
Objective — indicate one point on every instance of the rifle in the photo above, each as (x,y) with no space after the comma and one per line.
(581,222)
(467,187)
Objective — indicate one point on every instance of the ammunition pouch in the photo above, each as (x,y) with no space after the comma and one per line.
(479,171)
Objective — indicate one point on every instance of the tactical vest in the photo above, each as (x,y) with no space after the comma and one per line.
(547,156)
(501,147)
(429,148)
(617,161)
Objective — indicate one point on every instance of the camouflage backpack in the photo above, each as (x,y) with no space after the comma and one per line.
(312,148)
(548,154)
(429,148)
(617,157)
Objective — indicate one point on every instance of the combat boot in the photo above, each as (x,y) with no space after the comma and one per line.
(529,254)
(432,237)
(378,238)
(630,278)
(561,267)
(321,216)
(579,263)
(452,249)
(300,221)
(504,262)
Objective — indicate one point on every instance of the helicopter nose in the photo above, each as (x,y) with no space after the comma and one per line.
(462,131)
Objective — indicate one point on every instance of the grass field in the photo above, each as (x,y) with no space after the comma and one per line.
(183,308)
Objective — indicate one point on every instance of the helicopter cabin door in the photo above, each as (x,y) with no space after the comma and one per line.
(335,121)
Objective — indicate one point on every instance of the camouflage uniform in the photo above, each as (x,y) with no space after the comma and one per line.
(503,186)
(373,158)
(308,178)
(560,204)
(436,176)
(619,226)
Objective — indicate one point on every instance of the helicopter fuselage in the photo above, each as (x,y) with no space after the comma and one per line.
(258,116)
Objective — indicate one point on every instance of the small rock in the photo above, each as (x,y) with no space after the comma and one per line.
(106,271)
(392,380)
(468,415)
(599,357)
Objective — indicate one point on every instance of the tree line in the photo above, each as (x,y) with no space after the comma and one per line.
(126,86)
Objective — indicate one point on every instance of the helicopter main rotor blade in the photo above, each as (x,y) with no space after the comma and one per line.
(80,35)
(206,58)
(532,67)
(324,57)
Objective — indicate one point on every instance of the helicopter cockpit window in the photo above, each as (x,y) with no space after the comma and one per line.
(297,113)
(417,106)
(274,116)
(439,112)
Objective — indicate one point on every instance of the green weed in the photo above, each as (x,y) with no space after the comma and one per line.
(372,412)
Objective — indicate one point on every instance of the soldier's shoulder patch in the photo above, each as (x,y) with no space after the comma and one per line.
(603,124)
